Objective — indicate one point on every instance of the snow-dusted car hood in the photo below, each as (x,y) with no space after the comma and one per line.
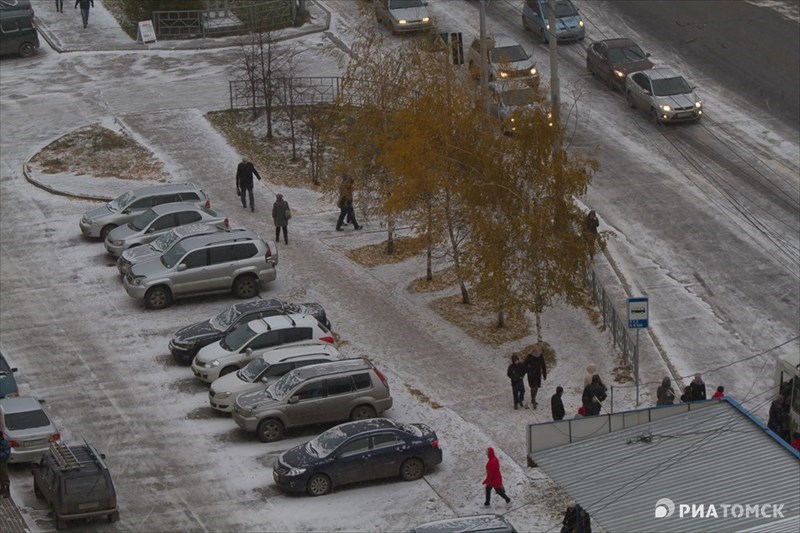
(121,233)
(139,253)
(411,14)
(211,352)
(677,100)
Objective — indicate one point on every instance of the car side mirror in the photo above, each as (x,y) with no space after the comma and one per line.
(181,267)
(647,54)
(248,352)
(265,379)
(42,401)
(150,229)
(293,400)
(646,91)
(102,456)
(694,87)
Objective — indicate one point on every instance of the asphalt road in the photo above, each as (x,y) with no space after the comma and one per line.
(748,48)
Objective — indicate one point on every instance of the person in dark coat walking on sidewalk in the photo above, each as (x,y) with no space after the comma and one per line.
(345,203)
(85,4)
(280,216)
(698,388)
(244,182)
(494,479)
(593,394)
(516,373)
(556,405)
(536,369)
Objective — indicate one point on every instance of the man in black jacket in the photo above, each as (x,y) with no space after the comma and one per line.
(593,394)
(516,373)
(556,405)
(244,182)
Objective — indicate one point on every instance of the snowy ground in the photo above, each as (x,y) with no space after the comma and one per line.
(178,466)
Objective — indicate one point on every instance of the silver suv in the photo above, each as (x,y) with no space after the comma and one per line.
(238,261)
(352,389)
(100,221)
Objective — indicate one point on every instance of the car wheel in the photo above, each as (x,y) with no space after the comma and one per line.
(245,286)
(157,297)
(108,228)
(227,370)
(412,469)
(113,517)
(629,99)
(270,430)
(319,485)
(27,50)
(362,412)
(36,490)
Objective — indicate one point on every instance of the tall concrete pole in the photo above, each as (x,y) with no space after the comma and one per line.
(484,51)
(555,89)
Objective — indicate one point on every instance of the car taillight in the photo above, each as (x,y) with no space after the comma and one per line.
(268,254)
(55,437)
(14,444)
(381,377)
(208,204)
(435,444)
(328,339)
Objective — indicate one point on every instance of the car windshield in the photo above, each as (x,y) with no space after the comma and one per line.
(223,321)
(404,4)
(253,369)
(143,220)
(671,86)
(326,443)
(238,337)
(517,97)
(564,9)
(508,54)
(281,388)
(173,255)
(629,54)
(121,201)
(165,241)
(26,420)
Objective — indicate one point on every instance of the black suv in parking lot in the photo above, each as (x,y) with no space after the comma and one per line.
(76,483)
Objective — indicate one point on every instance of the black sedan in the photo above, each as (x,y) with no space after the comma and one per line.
(358,451)
(612,60)
(187,341)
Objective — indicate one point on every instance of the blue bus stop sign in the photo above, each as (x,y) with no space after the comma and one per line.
(638,313)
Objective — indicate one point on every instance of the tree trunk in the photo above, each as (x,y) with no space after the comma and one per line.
(501,315)
(454,249)
(390,236)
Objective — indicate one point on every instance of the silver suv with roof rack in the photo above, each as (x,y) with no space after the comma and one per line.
(220,262)
(100,221)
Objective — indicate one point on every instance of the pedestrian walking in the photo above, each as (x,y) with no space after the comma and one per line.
(719,394)
(345,203)
(698,388)
(516,373)
(244,182)
(593,394)
(664,394)
(280,216)
(556,405)
(85,4)
(592,223)
(59,6)
(494,479)
(536,369)
(5,455)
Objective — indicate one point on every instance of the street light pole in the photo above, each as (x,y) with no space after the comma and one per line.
(555,91)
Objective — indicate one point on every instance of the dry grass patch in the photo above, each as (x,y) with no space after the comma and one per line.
(423,397)
(479,319)
(98,151)
(375,254)
(622,373)
(442,279)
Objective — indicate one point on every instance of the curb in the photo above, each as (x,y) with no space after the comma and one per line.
(26,171)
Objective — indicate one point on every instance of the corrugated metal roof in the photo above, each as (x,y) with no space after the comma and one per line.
(716,456)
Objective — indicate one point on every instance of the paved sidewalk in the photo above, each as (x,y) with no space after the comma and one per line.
(11,520)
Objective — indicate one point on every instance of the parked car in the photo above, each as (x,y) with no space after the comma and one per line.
(249,340)
(220,262)
(11,6)
(666,96)
(8,385)
(187,341)
(403,15)
(18,33)
(612,60)
(158,220)
(134,255)
(355,452)
(100,221)
(329,392)
(569,25)
(507,59)
(482,523)
(27,427)
(266,369)
(75,483)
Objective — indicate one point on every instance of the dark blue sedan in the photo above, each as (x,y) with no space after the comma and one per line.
(358,451)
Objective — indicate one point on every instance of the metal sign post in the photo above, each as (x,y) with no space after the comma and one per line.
(638,318)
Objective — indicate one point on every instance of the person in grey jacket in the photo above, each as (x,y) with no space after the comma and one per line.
(280,216)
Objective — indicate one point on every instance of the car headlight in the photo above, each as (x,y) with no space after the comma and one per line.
(118,243)
(698,104)
(503,74)
(665,108)
(619,73)
(548,26)
(212,364)
(402,21)
(580,23)
(295,471)
(138,280)
(533,71)
(87,220)
(426,19)
(222,395)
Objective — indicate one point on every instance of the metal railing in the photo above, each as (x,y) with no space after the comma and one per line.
(614,321)
(268,15)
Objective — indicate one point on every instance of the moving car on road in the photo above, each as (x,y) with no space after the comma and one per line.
(27,427)
(569,25)
(666,96)
(507,59)
(352,389)
(355,452)
(403,15)
(158,220)
(612,60)
(249,340)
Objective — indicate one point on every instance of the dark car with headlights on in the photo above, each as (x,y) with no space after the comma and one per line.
(187,341)
(612,60)
(358,451)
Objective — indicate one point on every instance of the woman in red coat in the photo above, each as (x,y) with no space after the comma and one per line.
(494,479)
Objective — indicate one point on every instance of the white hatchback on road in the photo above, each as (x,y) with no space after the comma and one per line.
(265,370)
(249,340)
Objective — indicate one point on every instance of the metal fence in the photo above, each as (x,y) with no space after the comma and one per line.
(268,15)
(614,321)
